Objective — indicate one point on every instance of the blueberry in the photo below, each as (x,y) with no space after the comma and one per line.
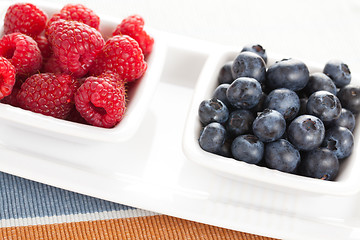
(287,73)
(285,101)
(350,98)
(212,137)
(225,73)
(269,125)
(338,71)
(249,64)
(303,102)
(320,163)
(282,155)
(247,148)
(244,92)
(319,81)
(260,106)
(306,132)
(240,122)
(213,110)
(220,93)
(346,119)
(256,48)
(340,141)
(324,105)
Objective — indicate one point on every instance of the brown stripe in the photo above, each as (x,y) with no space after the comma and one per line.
(152,227)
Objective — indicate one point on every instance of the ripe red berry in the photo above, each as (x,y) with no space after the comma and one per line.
(133,26)
(77,12)
(44,46)
(100,101)
(24,18)
(22,51)
(48,94)
(122,55)
(7,77)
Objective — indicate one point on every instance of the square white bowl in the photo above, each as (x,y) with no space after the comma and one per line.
(346,183)
(139,96)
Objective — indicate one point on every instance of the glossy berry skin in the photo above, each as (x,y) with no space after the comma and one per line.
(240,122)
(340,141)
(306,132)
(338,71)
(320,163)
(247,148)
(7,77)
(285,101)
(225,73)
(287,73)
(346,119)
(319,81)
(282,155)
(249,64)
(350,98)
(244,93)
(24,18)
(269,125)
(212,137)
(213,110)
(256,48)
(324,105)
(220,93)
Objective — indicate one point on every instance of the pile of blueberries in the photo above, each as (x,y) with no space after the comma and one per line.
(281,116)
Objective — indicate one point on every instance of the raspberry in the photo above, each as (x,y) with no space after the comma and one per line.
(7,77)
(51,65)
(22,51)
(24,18)
(101,101)
(122,55)
(77,12)
(75,44)
(48,94)
(44,46)
(134,27)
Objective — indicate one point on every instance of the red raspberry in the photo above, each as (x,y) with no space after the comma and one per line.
(77,12)
(48,94)
(7,77)
(44,46)
(24,18)
(51,65)
(122,55)
(100,101)
(11,99)
(134,27)
(75,44)
(22,51)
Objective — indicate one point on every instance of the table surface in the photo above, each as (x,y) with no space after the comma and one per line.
(316,30)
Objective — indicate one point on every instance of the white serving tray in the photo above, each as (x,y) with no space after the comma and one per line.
(152,169)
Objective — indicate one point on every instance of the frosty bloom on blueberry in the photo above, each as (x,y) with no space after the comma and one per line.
(282,117)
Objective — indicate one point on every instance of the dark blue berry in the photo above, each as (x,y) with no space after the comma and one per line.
(346,119)
(324,105)
(319,81)
(287,73)
(247,148)
(249,64)
(320,163)
(306,132)
(212,137)
(269,125)
(240,122)
(225,73)
(282,155)
(244,93)
(285,101)
(220,93)
(340,141)
(350,98)
(213,110)
(303,102)
(338,71)
(256,48)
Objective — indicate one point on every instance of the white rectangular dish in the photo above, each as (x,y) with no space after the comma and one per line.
(160,168)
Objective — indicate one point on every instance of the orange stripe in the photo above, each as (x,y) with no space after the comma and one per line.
(151,227)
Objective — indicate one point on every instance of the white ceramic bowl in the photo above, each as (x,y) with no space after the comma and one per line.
(347,182)
(139,97)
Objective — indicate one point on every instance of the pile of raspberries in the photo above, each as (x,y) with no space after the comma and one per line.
(63,67)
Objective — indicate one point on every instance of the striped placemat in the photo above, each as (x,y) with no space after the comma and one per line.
(31,210)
